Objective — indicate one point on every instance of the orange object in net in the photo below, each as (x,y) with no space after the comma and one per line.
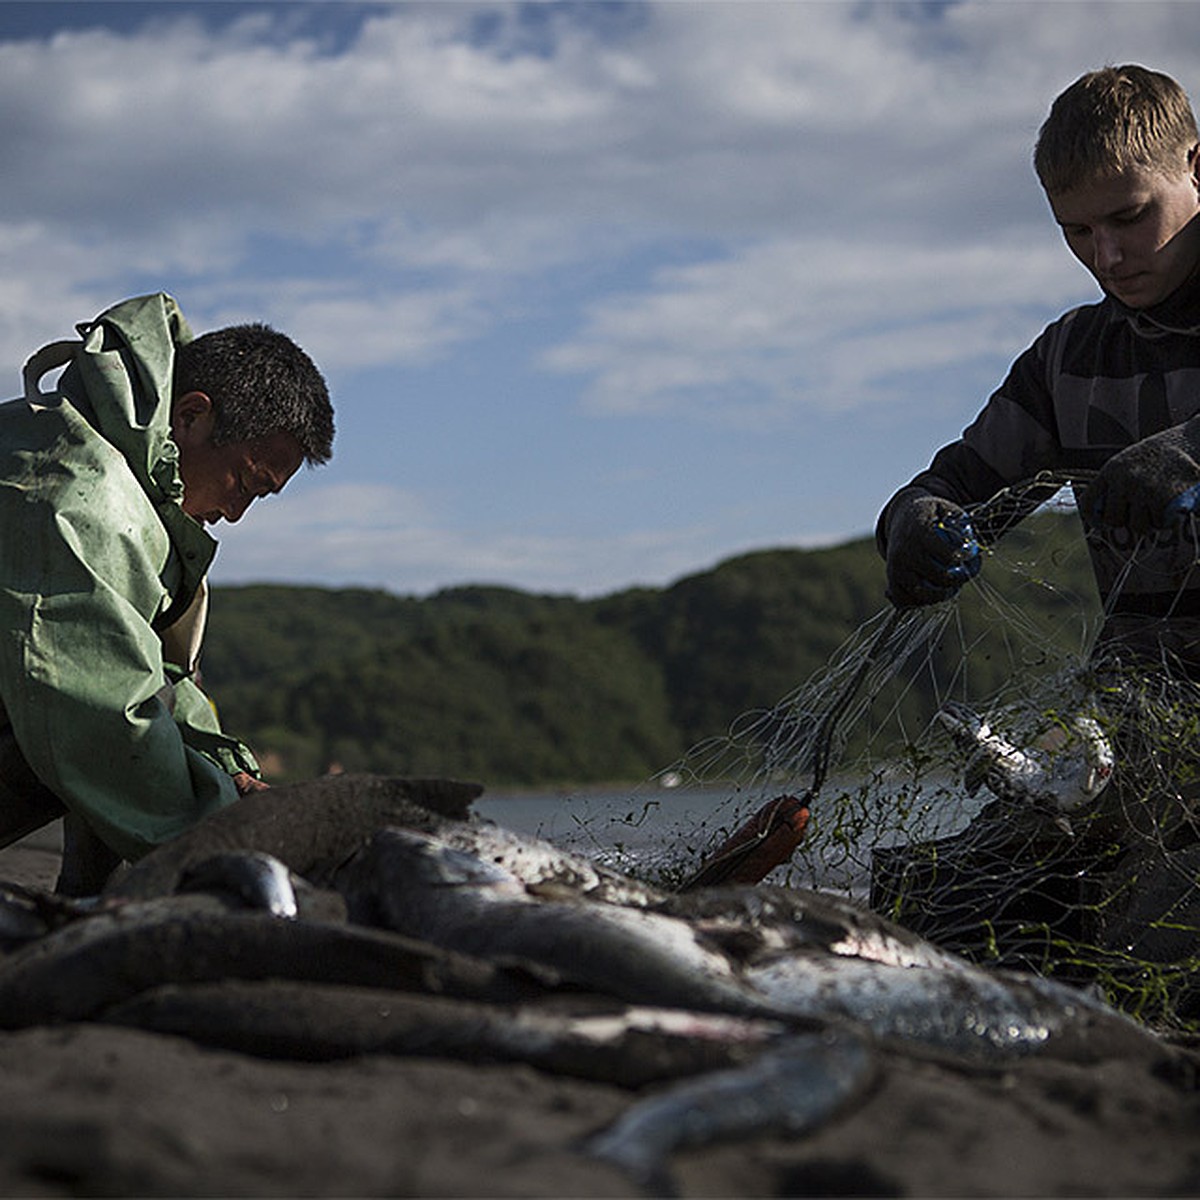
(765,841)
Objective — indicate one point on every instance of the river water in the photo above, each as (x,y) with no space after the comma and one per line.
(638,815)
(642,826)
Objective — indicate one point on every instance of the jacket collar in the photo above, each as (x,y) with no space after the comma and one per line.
(1179,313)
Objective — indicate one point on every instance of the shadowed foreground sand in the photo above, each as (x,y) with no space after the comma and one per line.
(96,1110)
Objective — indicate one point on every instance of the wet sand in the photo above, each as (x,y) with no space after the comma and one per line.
(93,1110)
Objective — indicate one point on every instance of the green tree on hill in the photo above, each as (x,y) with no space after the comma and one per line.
(517,688)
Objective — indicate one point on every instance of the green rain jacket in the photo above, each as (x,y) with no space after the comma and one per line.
(102,587)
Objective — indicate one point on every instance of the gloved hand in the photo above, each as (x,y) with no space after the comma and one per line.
(1150,485)
(931,549)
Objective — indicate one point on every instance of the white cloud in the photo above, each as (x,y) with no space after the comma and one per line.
(737,214)
(381,536)
(422,147)
(802,323)
(341,328)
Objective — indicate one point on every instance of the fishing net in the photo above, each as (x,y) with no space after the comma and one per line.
(977,771)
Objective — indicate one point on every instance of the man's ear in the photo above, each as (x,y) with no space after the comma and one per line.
(192,417)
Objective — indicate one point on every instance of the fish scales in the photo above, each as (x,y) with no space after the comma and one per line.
(77,971)
(421,887)
(309,826)
(537,862)
(794,1087)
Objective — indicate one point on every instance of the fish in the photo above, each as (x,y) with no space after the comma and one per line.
(74,973)
(310,826)
(1069,772)
(420,886)
(822,956)
(753,921)
(627,1046)
(779,954)
(258,880)
(976,1015)
(543,866)
(794,1087)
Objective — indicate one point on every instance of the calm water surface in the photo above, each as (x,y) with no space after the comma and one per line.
(656,825)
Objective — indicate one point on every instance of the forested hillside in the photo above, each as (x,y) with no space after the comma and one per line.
(510,687)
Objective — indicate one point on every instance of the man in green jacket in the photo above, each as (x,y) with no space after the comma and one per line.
(106,485)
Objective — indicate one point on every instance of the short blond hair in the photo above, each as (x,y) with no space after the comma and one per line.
(1110,120)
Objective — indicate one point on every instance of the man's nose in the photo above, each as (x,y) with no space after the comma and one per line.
(1107,248)
(235,510)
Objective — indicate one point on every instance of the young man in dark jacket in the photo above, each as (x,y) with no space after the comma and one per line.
(1110,390)
(1111,387)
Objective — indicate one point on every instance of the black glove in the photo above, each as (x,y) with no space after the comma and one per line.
(1150,485)
(931,549)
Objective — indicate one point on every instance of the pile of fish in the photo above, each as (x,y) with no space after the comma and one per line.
(363,914)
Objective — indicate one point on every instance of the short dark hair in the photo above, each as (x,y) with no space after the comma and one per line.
(1110,120)
(260,383)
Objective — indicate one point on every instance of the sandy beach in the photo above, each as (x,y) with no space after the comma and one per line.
(96,1110)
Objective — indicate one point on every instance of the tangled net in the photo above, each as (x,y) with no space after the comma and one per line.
(978,772)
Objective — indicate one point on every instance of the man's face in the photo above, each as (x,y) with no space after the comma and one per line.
(1138,232)
(222,481)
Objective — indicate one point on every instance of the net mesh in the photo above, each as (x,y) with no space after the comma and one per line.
(976,771)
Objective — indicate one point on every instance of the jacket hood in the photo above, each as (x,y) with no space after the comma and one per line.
(125,368)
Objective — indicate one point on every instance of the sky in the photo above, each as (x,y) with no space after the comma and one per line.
(605,293)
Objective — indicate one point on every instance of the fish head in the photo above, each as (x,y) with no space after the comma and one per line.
(1097,764)
(965,726)
(257,880)
(428,860)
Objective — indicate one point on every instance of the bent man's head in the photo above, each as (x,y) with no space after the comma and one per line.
(1119,160)
(249,407)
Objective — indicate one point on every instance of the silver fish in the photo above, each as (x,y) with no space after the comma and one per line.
(256,879)
(542,865)
(783,920)
(76,972)
(975,1014)
(722,950)
(794,1087)
(821,956)
(418,885)
(1064,776)
(315,1022)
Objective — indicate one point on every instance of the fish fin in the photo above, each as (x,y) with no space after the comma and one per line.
(976,773)
(1060,820)
(764,842)
(960,721)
